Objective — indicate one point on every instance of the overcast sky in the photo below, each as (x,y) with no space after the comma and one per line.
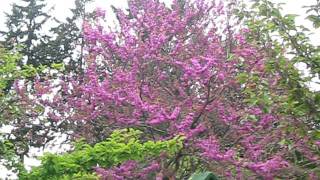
(62,10)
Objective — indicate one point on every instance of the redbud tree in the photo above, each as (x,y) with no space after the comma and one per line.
(187,69)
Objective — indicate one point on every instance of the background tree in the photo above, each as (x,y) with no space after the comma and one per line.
(68,44)
(25,28)
(283,38)
(62,44)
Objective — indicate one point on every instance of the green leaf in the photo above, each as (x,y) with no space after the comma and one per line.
(315,19)
(203,176)
(59,67)
(242,77)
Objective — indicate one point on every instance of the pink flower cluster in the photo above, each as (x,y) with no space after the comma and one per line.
(127,170)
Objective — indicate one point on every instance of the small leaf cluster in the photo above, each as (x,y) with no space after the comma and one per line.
(8,156)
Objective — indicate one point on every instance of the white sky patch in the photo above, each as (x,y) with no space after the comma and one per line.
(62,10)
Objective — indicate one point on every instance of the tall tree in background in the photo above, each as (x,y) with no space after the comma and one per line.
(54,44)
(68,42)
(25,27)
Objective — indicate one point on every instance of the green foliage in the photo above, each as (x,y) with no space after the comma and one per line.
(8,155)
(203,176)
(280,36)
(10,108)
(287,45)
(314,14)
(315,19)
(8,69)
(122,145)
(268,25)
(11,71)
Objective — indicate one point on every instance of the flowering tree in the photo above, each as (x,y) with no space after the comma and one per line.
(186,70)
